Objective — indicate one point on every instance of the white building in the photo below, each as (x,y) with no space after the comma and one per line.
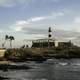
(2,52)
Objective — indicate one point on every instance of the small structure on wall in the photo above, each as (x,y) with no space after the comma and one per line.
(65,44)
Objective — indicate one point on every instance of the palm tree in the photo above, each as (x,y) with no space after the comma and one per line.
(10,39)
(6,38)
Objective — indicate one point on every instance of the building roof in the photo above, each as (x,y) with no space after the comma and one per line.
(44,40)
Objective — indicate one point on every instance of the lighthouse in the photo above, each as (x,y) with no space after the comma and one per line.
(49,37)
(49,33)
(45,42)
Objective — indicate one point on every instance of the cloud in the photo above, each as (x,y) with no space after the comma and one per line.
(11,3)
(77,20)
(19,25)
(76,24)
(54,15)
(1,31)
(56,0)
(36,19)
(33,22)
(7,3)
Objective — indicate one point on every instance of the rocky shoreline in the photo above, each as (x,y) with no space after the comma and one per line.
(8,65)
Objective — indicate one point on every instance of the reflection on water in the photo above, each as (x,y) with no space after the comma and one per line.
(49,70)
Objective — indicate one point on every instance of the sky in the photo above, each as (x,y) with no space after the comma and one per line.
(30,19)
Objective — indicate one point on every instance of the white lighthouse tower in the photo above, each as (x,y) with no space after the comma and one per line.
(49,36)
(49,33)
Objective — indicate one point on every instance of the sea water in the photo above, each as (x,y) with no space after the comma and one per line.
(52,69)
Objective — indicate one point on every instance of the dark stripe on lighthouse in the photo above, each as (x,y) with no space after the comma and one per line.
(50,32)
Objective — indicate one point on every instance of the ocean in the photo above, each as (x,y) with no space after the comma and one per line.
(52,69)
